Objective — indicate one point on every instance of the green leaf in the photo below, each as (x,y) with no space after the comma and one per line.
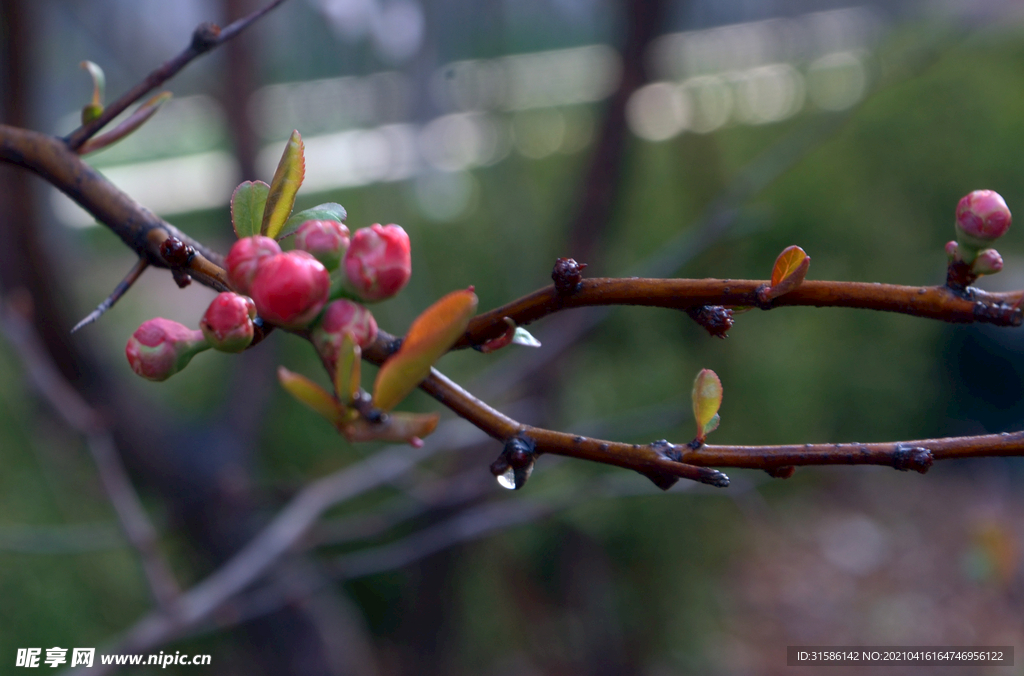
(707,398)
(284,186)
(328,211)
(312,395)
(247,205)
(347,372)
(712,424)
(789,271)
(430,336)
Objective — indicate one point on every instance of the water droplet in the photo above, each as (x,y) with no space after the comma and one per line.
(515,478)
(507,479)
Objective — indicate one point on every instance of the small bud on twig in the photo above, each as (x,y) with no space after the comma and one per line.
(567,276)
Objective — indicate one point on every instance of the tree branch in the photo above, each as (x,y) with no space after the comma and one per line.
(931,302)
(206,36)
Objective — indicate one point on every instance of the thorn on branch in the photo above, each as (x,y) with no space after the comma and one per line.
(115,295)
(567,276)
(715,319)
(912,458)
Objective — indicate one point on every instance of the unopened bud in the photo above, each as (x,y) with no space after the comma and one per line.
(981,218)
(988,262)
(160,348)
(227,323)
(326,240)
(341,317)
(290,289)
(378,263)
(952,250)
(245,257)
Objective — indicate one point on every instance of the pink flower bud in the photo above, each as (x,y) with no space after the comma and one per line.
(290,289)
(952,250)
(378,263)
(981,218)
(341,317)
(988,262)
(245,256)
(160,348)
(326,240)
(227,323)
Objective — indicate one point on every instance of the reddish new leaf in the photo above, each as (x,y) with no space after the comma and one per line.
(430,336)
(789,271)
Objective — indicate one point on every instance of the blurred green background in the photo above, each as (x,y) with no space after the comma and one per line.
(889,115)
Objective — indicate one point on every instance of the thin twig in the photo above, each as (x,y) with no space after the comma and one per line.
(129,125)
(115,295)
(84,419)
(932,302)
(279,537)
(206,37)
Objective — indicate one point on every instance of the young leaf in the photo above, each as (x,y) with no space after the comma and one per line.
(284,186)
(129,125)
(247,205)
(94,108)
(347,371)
(398,426)
(429,337)
(312,395)
(329,211)
(707,398)
(789,271)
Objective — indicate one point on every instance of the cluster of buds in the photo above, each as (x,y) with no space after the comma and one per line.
(290,289)
(982,217)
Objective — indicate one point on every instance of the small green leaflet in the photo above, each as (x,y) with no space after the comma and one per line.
(247,204)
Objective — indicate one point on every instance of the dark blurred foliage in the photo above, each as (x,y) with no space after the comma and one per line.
(690,581)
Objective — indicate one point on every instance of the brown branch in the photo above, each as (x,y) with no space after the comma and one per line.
(141,230)
(207,36)
(643,459)
(931,302)
(85,420)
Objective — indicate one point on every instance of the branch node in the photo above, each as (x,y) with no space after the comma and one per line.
(567,276)
(515,464)
(205,37)
(783,472)
(761,298)
(998,313)
(959,277)
(715,319)
(912,458)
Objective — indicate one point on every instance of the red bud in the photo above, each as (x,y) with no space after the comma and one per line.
(378,263)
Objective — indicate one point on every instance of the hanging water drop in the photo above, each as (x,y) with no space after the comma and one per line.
(515,464)
(508,479)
